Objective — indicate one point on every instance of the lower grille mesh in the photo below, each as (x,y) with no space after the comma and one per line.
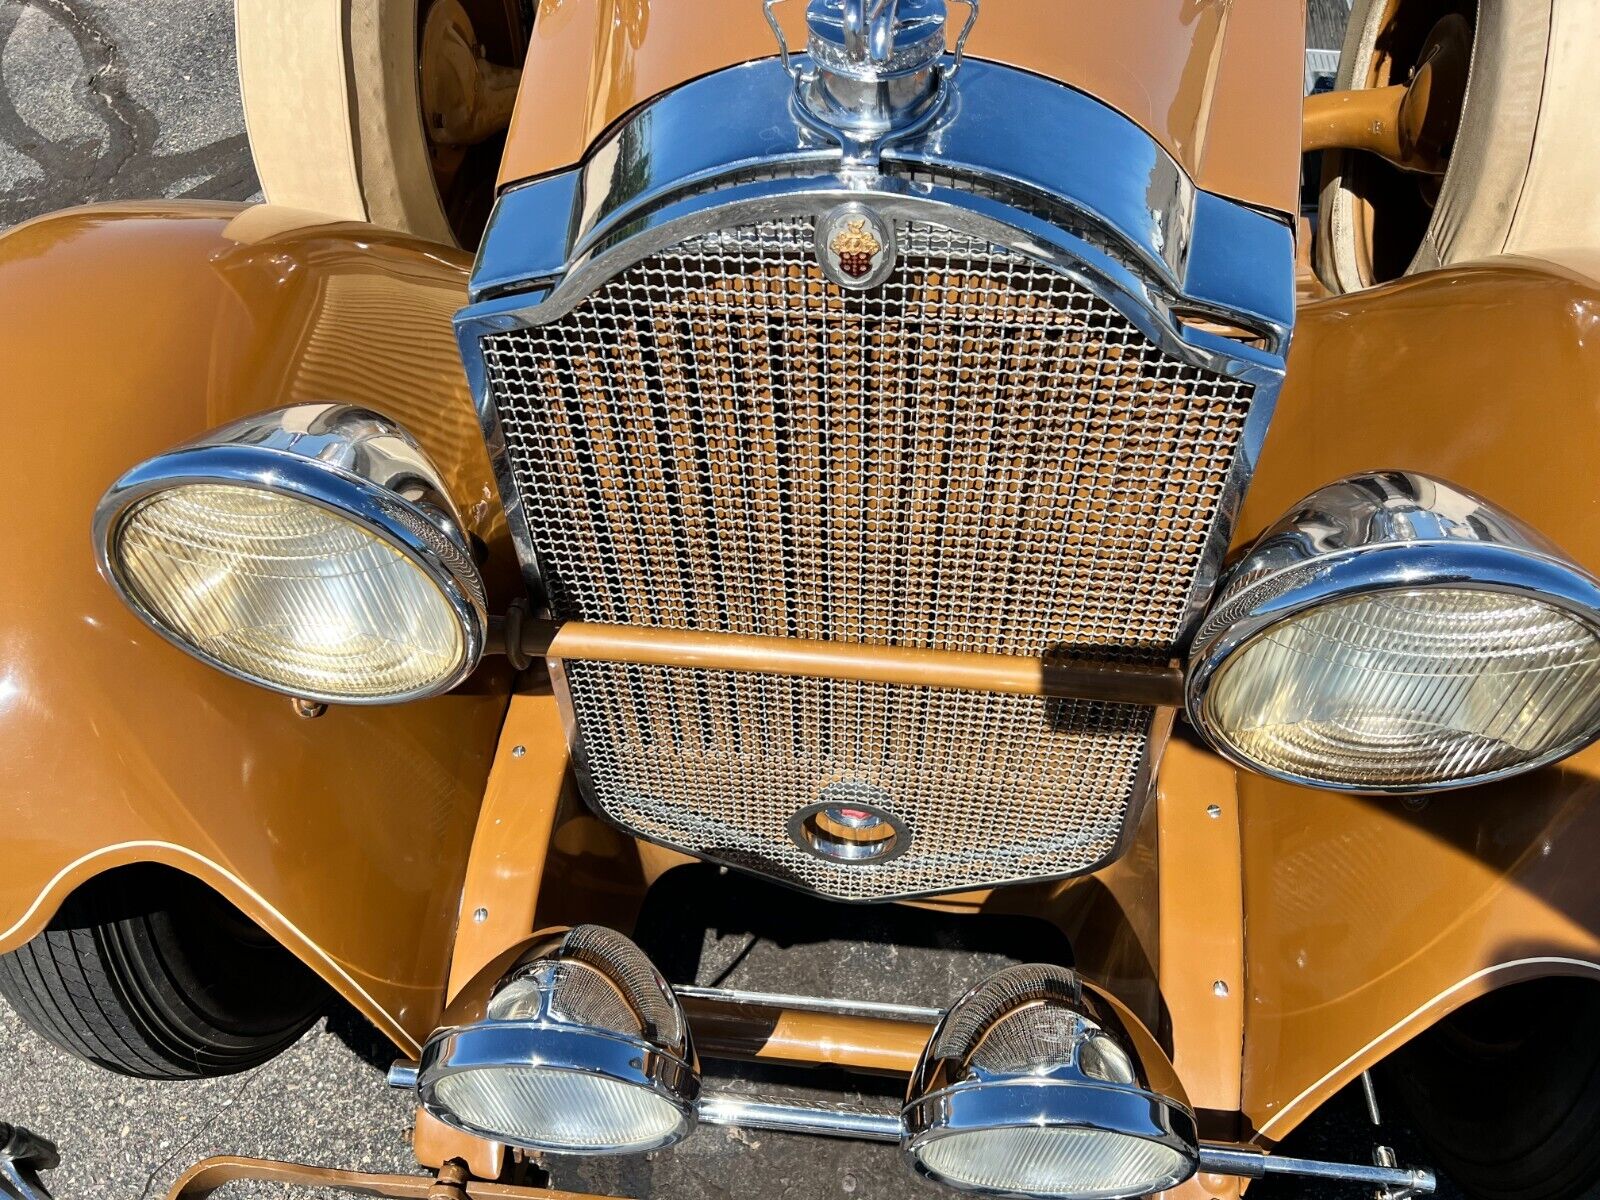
(990,787)
(980,454)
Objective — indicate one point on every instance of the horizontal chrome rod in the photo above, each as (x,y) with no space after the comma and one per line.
(1252,1164)
(722,1109)
(817,1004)
(525,638)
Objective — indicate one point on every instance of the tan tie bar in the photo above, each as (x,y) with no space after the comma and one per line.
(1010,674)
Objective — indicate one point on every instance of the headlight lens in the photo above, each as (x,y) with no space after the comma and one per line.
(287,593)
(311,550)
(1410,687)
(1396,633)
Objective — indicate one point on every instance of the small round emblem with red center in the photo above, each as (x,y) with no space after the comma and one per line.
(855,246)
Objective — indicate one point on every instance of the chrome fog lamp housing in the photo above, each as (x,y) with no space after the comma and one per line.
(1395,633)
(1035,1085)
(312,550)
(583,1049)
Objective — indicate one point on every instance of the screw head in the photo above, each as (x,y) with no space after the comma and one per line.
(480,915)
(1219,988)
(1214,811)
(518,751)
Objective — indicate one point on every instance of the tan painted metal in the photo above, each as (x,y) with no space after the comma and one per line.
(207,1177)
(1413,125)
(512,842)
(1368,119)
(1217,82)
(1011,674)
(1202,951)
(805,1038)
(130,329)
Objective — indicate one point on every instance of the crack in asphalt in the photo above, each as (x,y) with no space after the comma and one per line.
(118,160)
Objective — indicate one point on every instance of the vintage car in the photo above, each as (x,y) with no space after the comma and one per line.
(922,456)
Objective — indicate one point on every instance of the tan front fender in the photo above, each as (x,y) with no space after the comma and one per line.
(130,329)
(1369,918)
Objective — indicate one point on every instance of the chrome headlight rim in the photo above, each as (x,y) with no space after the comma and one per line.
(570,1049)
(1277,596)
(424,531)
(980,1105)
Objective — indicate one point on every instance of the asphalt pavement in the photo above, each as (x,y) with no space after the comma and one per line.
(123,99)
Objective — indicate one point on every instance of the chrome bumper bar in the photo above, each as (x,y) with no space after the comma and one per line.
(744,1112)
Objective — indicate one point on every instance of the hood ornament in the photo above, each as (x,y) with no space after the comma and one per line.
(875,71)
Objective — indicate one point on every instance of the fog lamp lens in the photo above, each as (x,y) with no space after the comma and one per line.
(1035,1084)
(1410,687)
(1085,1164)
(530,1105)
(287,593)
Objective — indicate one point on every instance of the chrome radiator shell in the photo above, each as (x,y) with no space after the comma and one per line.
(1012,446)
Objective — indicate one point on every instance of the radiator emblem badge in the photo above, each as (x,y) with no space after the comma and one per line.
(855,247)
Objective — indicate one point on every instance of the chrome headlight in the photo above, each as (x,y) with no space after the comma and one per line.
(1394,633)
(583,1049)
(312,550)
(1033,1085)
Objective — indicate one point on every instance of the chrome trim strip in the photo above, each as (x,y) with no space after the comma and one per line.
(1253,1164)
(819,1004)
(723,1109)
(1085,162)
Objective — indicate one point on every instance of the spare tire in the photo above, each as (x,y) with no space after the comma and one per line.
(1523,176)
(333,108)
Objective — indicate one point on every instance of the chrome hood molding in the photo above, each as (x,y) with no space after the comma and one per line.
(1073,172)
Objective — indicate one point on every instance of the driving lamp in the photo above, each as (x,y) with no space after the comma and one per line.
(1034,1084)
(583,1049)
(312,550)
(1394,633)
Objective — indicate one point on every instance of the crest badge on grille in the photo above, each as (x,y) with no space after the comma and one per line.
(855,246)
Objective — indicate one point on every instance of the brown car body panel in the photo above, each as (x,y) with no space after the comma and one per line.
(1215,82)
(129,330)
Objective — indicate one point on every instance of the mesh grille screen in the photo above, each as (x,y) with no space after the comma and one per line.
(978,455)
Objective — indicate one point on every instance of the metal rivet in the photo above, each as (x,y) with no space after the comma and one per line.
(1214,811)
(308,708)
(1219,988)
(518,751)
(480,915)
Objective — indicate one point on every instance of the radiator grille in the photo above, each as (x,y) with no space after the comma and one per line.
(980,455)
